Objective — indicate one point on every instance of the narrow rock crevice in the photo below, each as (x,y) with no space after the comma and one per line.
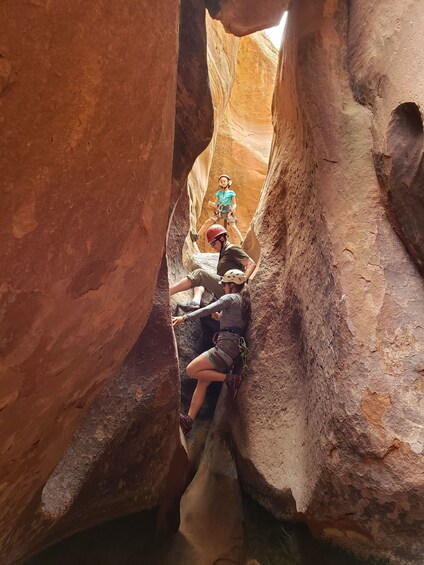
(401,176)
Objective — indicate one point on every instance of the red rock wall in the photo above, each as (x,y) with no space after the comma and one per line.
(390,83)
(126,455)
(222,64)
(330,420)
(242,17)
(87,113)
(328,427)
(194,123)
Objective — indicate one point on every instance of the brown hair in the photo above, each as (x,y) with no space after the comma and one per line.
(246,307)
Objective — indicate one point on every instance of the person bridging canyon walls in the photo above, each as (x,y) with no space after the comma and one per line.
(225,206)
(230,257)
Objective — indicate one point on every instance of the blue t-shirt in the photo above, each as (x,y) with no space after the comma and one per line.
(225,197)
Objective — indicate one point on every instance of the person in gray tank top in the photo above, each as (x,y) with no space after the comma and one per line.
(233,311)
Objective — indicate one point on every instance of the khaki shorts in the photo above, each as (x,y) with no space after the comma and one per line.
(210,281)
(216,360)
(228,343)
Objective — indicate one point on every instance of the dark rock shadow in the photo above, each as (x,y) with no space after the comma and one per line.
(401,176)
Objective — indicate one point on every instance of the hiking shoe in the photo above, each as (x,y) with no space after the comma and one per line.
(194,236)
(233,384)
(186,423)
(188,306)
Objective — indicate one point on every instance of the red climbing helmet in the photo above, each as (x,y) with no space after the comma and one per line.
(214,231)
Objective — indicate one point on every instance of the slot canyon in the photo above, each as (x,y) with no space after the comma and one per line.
(116,121)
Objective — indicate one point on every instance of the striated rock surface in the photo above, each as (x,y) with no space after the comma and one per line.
(330,428)
(194,124)
(390,84)
(222,64)
(87,181)
(244,131)
(242,75)
(221,60)
(194,110)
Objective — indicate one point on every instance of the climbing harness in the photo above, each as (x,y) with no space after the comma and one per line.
(225,212)
(234,329)
(243,349)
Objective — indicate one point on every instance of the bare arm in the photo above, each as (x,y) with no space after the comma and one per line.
(213,204)
(249,266)
(217,306)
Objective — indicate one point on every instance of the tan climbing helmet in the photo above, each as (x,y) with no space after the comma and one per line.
(230,182)
(234,276)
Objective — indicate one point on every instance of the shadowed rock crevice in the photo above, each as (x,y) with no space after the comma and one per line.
(401,176)
(194,120)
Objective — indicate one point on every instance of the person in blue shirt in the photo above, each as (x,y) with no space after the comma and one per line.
(225,206)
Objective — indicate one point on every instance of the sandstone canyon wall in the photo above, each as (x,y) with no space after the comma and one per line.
(328,428)
(242,17)
(90,170)
(244,132)
(221,50)
(330,422)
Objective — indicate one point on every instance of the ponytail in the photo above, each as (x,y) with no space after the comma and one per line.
(246,307)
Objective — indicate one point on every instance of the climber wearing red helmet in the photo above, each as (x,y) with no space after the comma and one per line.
(225,206)
(230,257)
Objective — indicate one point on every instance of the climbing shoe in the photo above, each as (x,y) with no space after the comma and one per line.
(233,382)
(194,236)
(189,306)
(186,423)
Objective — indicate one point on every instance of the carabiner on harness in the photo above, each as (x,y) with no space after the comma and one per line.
(244,354)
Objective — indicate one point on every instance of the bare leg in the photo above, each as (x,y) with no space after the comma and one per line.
(204,371)
(235,228)
(205,226)
(183,284)
(197,399)
(198,293)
